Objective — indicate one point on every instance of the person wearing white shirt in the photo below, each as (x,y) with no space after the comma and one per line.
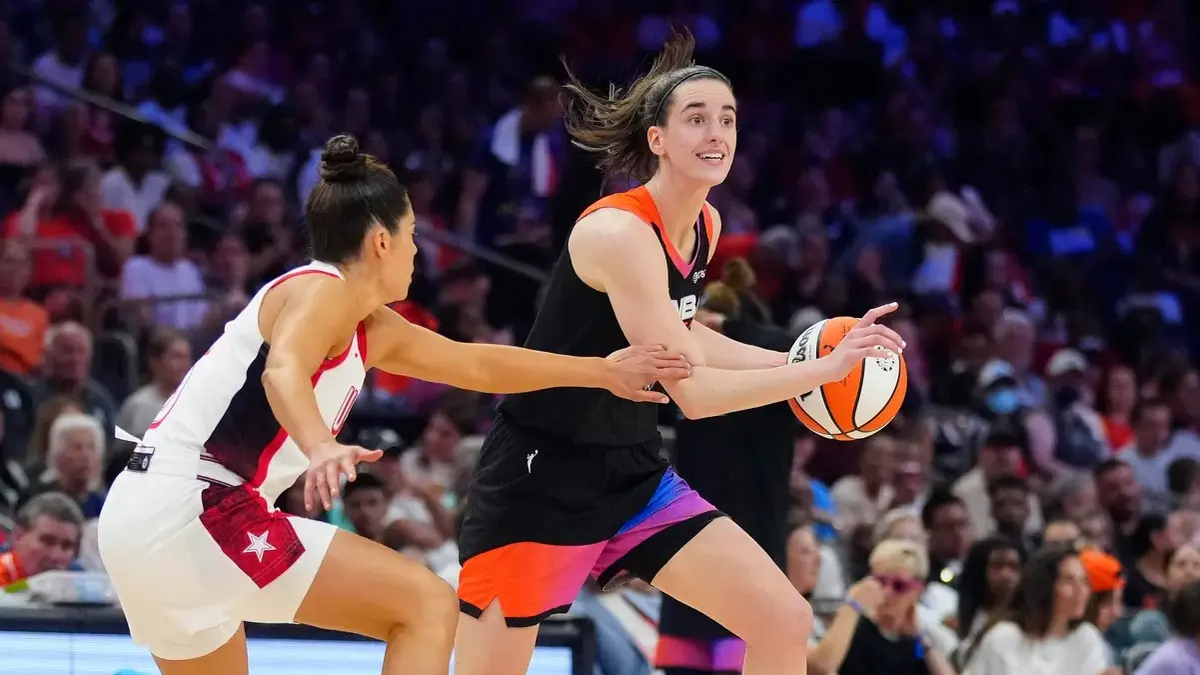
(134,184)
(1044,635)
(1150,453)
(62,65)
(165,273)
(862,498)
(1000,455)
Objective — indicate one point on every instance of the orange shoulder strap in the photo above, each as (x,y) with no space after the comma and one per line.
(636,201)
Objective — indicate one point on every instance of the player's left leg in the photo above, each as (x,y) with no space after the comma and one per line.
(724,574)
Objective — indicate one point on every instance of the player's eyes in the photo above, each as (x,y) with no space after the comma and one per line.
(696,119)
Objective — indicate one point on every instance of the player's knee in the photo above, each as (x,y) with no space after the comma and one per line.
(436,608)
(785,622)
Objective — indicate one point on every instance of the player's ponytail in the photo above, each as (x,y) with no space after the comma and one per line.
(614,125)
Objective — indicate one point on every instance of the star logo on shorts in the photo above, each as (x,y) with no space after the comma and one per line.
(258,545)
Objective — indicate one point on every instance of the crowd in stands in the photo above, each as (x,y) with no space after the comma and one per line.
(1022,175)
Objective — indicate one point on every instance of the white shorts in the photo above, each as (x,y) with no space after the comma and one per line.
(191,559)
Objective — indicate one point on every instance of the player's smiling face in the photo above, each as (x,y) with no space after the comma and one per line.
(700,135)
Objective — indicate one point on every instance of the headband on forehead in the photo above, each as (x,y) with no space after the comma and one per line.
(688,74)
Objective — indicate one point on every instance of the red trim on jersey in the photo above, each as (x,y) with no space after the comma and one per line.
(243,525)
(268,453)
(361,335)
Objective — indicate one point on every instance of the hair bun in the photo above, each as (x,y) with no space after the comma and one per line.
(341,160)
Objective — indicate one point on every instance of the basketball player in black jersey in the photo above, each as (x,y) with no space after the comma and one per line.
(570,482)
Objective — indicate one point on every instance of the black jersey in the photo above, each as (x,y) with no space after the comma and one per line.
(578,320)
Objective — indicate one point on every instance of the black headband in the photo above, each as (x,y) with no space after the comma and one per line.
(685,75)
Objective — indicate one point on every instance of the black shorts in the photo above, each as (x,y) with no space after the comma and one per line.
(543,514)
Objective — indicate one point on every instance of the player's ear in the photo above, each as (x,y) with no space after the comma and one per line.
(378,241)
(655,139)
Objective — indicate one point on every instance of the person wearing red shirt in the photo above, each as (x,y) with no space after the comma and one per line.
(65,224)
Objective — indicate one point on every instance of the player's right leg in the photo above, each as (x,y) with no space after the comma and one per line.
(365,588)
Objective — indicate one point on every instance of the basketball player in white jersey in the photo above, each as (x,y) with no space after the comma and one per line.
(189,534)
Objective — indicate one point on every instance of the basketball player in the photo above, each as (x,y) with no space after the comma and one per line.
(188,534)
(571,482)
(741,463)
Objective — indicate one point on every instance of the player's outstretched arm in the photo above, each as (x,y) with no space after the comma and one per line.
(397,346)
(616,253)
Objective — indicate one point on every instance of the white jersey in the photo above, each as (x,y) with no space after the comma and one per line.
(220,409)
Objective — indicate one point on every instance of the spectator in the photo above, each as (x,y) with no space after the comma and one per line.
(1120,497)
(1000,455)
(1010,509)
(1149,547)
(67,367)
(945,519)
(19,148)
(990,574)
(136,184)
(1147,455)
(876,630)
(23,322)
(169,356)
(861,499)
(65,220)
(1079,429)
(265,229)
(1041,634)
(1183,482)
(74,462)
(1105,581)
(1062,532)
(1179,655)
(17,415)
(366,503)
(1074,496)
(1149,628)
(1118,397)
(1014,339)
(164,274)
(46,538)
(63,65)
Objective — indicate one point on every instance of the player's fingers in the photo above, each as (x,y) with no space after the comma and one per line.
(333,477)
(869,346)
(322,482)
(882,331)
(672,373)
(365,455)
(309,490)
(668,362)
(874,314)
(348,467)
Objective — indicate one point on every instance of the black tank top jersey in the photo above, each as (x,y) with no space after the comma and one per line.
(578,320)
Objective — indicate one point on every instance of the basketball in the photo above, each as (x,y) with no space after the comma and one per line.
(858,405)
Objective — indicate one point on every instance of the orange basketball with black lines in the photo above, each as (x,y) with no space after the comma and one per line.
(860,404)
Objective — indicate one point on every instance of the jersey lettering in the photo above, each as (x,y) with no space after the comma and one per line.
(686,307)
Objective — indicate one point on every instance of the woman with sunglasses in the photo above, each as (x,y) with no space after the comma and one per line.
(876,630)
(1041,632)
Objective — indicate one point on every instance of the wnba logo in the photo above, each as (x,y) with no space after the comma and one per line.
(686,306)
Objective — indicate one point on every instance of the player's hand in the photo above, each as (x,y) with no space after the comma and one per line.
(327,463)
(633,369)
(863,341)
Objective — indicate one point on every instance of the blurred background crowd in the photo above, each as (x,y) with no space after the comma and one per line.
(1020,174)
